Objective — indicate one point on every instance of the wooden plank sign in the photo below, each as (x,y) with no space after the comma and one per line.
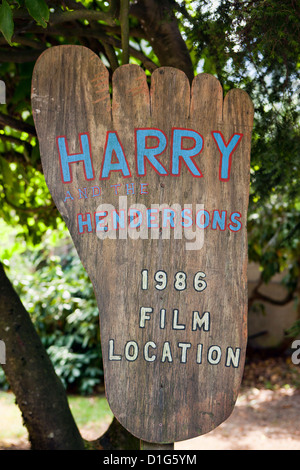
(153,185)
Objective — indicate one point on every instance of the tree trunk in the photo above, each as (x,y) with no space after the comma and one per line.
(116,438)
(39,393)
(161,29)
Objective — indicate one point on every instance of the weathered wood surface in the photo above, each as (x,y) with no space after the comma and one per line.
(155,447)
(184,382)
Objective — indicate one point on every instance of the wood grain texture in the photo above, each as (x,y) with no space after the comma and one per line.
(165,381)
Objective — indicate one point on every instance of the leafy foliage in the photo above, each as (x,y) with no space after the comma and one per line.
(39,11)
(6,21)
(58,295)
(61,301)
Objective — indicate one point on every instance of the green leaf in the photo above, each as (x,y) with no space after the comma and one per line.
(6,21)
(8,175)
(39,10)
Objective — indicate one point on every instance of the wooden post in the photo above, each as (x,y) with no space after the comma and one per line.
(152,446)
(153,185)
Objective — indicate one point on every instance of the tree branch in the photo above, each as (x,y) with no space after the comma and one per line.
(265,298)
(82,14)
(161,29)
(136,32)
(15,140)
(20,56)
(27,209)
(77,31)
(256,295)
(63,16)
(124,20)
(21,126)
(27,147)
(16,157)
(111,55)
(39,393)
(23,41)
(116,438)
(114,7)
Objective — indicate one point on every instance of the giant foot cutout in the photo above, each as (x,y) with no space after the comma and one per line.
(154,190)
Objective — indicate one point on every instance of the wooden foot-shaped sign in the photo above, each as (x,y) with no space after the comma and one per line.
(153,185)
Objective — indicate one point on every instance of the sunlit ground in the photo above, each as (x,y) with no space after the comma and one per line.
(92,415)
(266,415)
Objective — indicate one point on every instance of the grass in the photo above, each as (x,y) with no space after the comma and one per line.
(11,427)
(92,415)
